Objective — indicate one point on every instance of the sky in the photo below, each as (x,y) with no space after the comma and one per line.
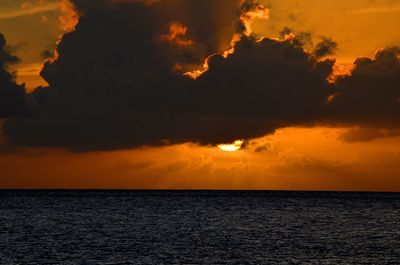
(142,94)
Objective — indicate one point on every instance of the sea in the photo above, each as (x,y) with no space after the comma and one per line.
(198,227)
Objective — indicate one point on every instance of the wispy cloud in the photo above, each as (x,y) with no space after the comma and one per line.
(393,9)
(26,10)
(30,69)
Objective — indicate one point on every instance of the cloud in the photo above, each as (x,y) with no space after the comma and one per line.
(117,82)
(12,96)
(355,135)
(107,110)
(30,69)
(69,16)
(29,8)
(393,9)
(212,27)
(326,47)
(370,95)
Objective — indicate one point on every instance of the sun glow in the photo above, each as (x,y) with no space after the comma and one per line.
(235,146)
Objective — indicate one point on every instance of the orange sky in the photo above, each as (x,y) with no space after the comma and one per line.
(292,158)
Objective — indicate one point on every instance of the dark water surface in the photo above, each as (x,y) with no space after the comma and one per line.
(198,227)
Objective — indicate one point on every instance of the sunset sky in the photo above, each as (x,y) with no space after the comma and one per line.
(152,94)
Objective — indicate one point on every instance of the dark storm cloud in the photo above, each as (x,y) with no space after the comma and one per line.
(12,96)
(246,95)
(116,83)
(371,95)
(210,23)
(264,85)
(113,86)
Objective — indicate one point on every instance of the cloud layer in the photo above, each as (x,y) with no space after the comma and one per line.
(118,83)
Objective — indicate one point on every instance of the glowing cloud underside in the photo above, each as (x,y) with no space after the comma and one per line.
(237,145)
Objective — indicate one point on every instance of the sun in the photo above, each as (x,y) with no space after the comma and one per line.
(235,146)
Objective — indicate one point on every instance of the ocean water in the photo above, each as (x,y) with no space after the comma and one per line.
(198,227)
